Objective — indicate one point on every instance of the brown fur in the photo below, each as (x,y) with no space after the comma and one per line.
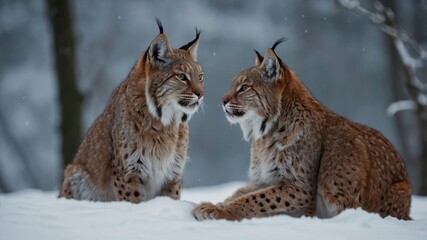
(307,161)
(136,149)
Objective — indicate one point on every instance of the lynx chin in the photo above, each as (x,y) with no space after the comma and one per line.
(305,159)
(137,148)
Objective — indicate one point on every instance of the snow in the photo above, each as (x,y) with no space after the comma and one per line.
(34,214)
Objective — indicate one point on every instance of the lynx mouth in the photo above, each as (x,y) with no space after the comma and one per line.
(188,103)
(188,106)
(234,113)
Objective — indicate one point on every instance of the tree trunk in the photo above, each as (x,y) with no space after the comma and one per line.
(422,190)
(70,98)
(397,87)
(421,122)
(420,33)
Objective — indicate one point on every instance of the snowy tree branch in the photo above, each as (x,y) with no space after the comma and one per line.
(383,17)
(398,106)
(380,18)
(404,45)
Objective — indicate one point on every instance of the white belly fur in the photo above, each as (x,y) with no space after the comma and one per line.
(155,173)
(160,173)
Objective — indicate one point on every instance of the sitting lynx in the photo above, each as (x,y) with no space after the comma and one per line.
(305,160)
(137,148)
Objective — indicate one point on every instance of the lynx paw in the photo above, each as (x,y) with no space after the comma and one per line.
(205,211)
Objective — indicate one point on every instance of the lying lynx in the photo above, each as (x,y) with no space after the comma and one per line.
(305,160)
(137,148)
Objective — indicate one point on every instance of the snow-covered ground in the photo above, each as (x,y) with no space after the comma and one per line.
(33,214)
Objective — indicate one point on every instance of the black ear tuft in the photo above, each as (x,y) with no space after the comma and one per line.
(279,41)
(259,56)
(159,23)
(188,45)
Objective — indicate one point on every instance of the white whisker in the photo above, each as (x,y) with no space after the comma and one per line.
(202,106)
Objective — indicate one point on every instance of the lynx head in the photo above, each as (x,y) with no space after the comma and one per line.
(254,100)
(173,79)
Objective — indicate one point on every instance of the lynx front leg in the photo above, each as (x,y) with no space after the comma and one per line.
(240,192)
(279,199)
(129,188)
(172,189)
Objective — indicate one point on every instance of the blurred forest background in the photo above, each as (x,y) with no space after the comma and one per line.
(60,60)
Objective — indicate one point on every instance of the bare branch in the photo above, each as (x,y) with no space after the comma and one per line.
(379,18)
(384,19)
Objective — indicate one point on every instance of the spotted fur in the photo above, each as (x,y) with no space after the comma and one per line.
(137,148)
(305,160)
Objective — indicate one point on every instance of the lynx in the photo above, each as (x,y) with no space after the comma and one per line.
(136,149)
(305,160)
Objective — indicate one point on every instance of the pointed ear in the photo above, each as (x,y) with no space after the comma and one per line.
(270,66)
(193,50)
(192,46)
(258,58)
(159,50)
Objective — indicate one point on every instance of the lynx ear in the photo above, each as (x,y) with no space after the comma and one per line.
(258,58)
(160,48)
(270,66)
(271,63)
(192,46)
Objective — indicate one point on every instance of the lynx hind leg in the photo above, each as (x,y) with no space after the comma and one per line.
(337,193)
(66,188)
(65,191)
(77,185)
(397,201)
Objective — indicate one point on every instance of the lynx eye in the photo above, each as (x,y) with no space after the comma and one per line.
(243,88)
(182,77)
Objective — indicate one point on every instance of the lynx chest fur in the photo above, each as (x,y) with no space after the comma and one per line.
(150,151)
(269,163)
(277,158)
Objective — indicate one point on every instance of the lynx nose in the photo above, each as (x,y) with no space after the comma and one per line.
(225,100)
(199,94)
